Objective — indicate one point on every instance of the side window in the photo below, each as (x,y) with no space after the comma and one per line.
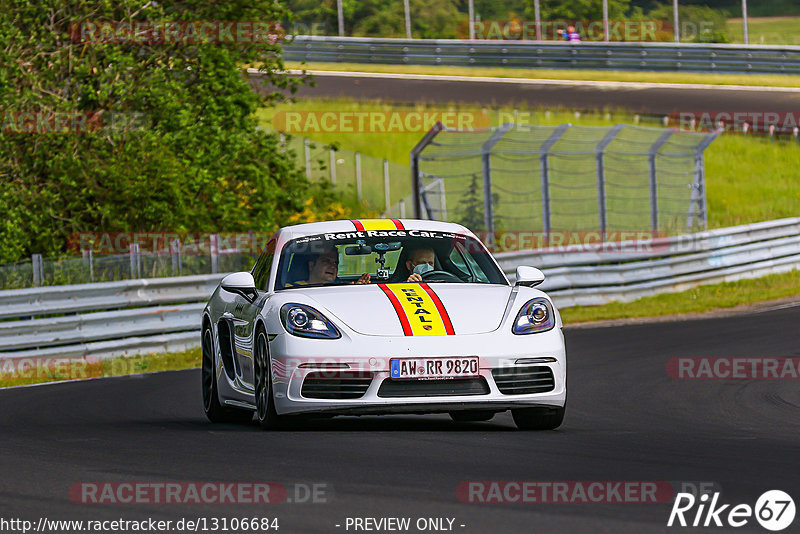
(460,258)
(263,266)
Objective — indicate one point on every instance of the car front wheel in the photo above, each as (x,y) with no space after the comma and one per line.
(538,418)
(265,402)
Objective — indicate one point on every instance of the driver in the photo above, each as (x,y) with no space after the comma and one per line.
(420,260)
(324,269)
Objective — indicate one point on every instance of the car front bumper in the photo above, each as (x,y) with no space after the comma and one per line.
(294,358)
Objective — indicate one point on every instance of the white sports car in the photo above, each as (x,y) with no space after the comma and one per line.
(382,316)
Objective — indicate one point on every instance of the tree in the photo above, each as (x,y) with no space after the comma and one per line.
(190,160)
(472,205)
(572,10)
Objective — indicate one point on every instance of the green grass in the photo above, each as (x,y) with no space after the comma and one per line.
(774,80)
(72,369)
(767,30)
(749,179)
(701,299)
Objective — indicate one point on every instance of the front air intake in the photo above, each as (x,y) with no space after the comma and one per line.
(524,380)
(336,384)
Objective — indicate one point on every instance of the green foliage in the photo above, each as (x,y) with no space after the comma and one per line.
(580,9)
(192,161)
(700,24)
(384,18)
(472,205)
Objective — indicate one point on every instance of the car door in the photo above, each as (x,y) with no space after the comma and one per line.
(244,313)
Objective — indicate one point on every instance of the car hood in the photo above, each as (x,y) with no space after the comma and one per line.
(394,309)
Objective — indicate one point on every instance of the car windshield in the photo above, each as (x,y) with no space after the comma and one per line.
(363,257)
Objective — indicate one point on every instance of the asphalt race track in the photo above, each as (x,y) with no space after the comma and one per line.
(626,420)
(640,99)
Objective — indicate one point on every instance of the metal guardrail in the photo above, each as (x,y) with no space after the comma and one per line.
(634,270)
(688,57)
(104,320)
(122,318)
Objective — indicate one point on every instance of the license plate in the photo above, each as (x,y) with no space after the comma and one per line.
(443,368)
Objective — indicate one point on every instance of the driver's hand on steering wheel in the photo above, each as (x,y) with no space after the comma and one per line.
(414,278)
(364,279)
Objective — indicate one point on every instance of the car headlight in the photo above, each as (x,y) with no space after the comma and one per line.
(304,321)
(535,316)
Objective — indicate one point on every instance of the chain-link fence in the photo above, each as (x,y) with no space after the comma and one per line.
(383,185)
(179,259)
(564,178)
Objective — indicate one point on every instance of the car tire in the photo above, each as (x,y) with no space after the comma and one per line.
(468,416)
(266,415)
(215,412)
(538,418)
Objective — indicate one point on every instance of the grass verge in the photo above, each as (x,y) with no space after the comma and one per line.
(34,371)
(766,30)
(759,80)
(701,299)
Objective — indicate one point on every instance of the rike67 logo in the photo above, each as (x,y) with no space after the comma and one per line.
(774,510)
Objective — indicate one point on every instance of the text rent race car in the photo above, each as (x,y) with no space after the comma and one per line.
(378,317)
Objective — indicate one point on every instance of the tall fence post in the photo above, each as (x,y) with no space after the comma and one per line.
(416,176)
(407,10)
(402,207)
(307,152)
(175,254)
(88,261)
(486,171)
(133,252)
(676,21)
(214,247)
(544,172)
(601,178)
(333,167)
(38,272)
(698,202)
(386,195)
(358,176)
(340,17)
(651,165)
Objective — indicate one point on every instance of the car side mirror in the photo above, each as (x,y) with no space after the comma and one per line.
(529,276)
(242,284)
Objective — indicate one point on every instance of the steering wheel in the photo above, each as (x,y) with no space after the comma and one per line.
(441,276)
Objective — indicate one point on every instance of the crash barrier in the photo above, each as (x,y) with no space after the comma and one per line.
(122,318)
(685,57)
(104,320)
(589,275)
